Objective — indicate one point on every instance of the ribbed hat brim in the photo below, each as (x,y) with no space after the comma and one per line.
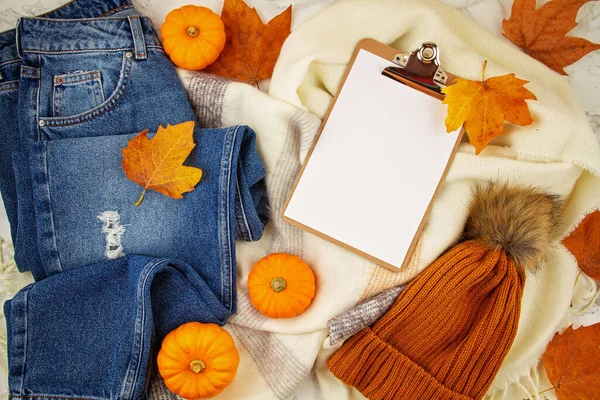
(381,372)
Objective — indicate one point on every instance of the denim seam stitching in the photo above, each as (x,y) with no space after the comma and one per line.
(229,244)
(26,305)
(43,51)
(37,99)
(30,72)
(9,85)
(220,218)
(112,101)
(81,77)
(11,61)
(243,212)
(224,218)
(53,227)
(141,330)
(76,20)
(130,381)
(224,230)
(51,396)
(55,101)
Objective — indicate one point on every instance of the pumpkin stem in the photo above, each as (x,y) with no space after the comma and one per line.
(197,366)
(192,31)
(278,284)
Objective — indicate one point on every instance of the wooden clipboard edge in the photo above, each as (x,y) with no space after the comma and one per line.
(308,229)
(387,52)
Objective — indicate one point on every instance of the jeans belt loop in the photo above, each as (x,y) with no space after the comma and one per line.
(137,33)
(18,37)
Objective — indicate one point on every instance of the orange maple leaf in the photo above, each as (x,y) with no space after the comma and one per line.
(584,244)
(252,48)
(483,106)
(572,362)
(541,33)
(157,163)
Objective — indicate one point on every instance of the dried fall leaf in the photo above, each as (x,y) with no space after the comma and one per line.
(584,244)
(572,362)
(157,163)
(541,32)
(252,48)
(483,106)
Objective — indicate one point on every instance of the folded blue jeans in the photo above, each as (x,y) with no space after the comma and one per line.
(85,212)
(112,278)
(92,333)
(90,68)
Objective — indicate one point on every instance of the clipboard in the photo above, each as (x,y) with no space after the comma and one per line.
(402,94)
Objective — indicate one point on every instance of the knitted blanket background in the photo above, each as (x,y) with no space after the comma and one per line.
(557,152)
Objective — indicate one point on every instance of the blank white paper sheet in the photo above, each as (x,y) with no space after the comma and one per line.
(376,165)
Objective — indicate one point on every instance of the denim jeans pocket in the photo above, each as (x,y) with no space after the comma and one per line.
(137,94)
(76,92)
(80,96)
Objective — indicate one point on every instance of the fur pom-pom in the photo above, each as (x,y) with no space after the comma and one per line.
(521,220)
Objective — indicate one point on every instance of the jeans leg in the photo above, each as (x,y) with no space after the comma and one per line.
(10,64)
(93,332)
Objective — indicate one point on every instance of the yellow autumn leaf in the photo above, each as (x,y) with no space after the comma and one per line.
(157,163)
(484,106)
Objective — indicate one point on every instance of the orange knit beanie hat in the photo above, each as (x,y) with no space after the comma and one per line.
(449,330)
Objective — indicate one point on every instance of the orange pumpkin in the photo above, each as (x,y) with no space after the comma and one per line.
(198,360)
(281,285)
(193,36)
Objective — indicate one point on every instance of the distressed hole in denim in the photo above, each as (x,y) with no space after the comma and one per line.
(113,230)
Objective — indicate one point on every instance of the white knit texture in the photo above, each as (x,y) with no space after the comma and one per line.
(558,152)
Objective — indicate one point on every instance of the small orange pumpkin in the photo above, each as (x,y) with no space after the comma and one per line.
(193,36)
(198,360)
(281,285)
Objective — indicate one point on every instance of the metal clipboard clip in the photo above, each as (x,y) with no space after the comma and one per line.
(422,67)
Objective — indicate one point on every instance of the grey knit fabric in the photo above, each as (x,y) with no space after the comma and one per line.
(206,93)
(362,315)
